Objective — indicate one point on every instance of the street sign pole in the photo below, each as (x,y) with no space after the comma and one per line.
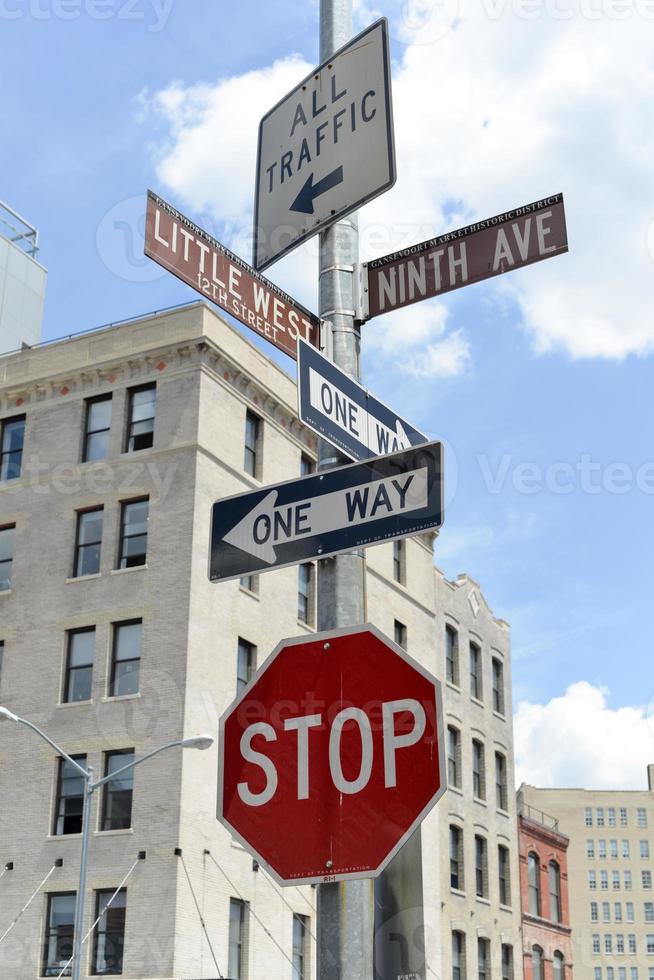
(345,909)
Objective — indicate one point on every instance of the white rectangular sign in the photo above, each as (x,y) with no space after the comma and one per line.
(326,148)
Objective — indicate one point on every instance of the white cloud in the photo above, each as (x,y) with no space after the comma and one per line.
(497,103)
(577,740)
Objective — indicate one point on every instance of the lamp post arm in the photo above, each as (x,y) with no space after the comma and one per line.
(131,765)
(84,772)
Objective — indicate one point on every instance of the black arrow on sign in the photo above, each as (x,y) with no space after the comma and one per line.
(310,191)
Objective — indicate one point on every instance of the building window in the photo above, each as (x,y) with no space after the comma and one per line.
(554,873)
(109,937)
(644,849)
(613,849)
(594,912)
(307,465)
(305,594)
(617,911)
(69,803)
(606,911)
(630,911)
(7,535)
(537,963)
(400,634)
(609,973)
(602,848)
(600,816)
(611,816)
(608,942)
(59,927)
(504,873)
(88,542)
(246,660)
(476,687)
(641,816)
(483,959)
(456,858)
(626,849)
(300,947)
(623,816)
(592,880)
(251,461)
(126,659)
(250,583)
(557,966)
(615,877)
(481,867)
(646,879)
(627,881)
(631,940)
(236,952)
(596,943)
(134,533)
(453,757)
(507,962)
(12,437)
(598,973)
(140,427)
(622,973)
(588,816)
(452,655)
(458,956)
(604,880)
(79,665)
(649,911)
(650,943)
(117,793)
(500,781)
(590,849)
(498,686)
(478,770)
(619,943)
(97,428)
(399,560)
(533,877)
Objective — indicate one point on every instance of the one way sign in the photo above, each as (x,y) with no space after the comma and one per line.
(323,514)
(339,409)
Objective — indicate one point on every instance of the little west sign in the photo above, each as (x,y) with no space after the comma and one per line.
(479,251)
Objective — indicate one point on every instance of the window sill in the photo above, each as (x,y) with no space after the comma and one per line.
(500,715)
(60,837)
(506,908)
(253,595)
(476,701)
(457,891)
(482,899)
(478,799)
(306,626)
(114,833)
(453,687)
(454,789)
(502,812)
(124,571)
(74,704)
(83,578)
(121,697)
(5,591)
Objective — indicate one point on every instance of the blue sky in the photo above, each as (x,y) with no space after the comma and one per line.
(539,382)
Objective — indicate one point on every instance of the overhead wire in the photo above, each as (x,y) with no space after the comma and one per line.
(202,922)
(27,905)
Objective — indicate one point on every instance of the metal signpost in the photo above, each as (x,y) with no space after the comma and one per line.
(459,258)
(323,514)
(200,261)
(331,756)
(327,147)
(342,411)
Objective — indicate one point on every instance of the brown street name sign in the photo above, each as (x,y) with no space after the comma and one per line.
(479,251)
(181,247)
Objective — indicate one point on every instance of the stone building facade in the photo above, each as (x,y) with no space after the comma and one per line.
(114,641)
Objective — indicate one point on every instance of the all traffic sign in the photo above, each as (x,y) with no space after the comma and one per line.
(332,756)
(339,409)
(323,514)
(326,148)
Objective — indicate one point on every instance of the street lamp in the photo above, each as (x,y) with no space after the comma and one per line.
(193,742)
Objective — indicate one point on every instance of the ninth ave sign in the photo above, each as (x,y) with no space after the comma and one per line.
(479,251)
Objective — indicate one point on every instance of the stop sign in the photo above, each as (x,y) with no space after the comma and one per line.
(331,756)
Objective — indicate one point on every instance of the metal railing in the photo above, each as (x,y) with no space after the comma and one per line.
(531,813)
(19,231)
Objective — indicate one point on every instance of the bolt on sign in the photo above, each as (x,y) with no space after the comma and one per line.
(332,756)
(479,251)
(326,148)
(181,247)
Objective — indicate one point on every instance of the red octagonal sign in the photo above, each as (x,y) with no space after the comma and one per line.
(331,756)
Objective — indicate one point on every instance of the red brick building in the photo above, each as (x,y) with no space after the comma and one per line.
(547,945)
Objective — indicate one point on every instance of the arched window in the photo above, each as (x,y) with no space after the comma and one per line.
(536,963)
(557,965)
(533,875)
(555,891)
